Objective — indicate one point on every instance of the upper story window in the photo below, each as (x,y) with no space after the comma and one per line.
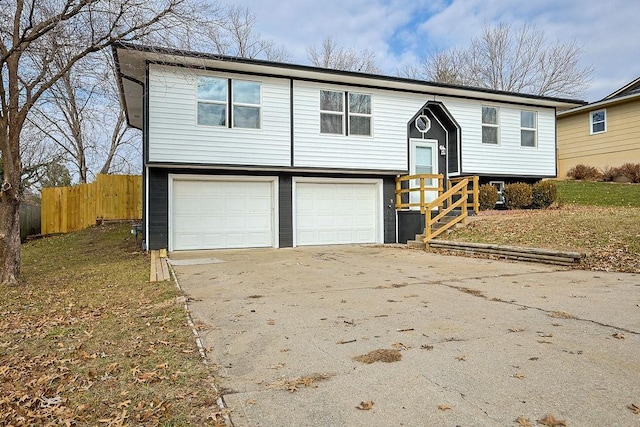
(490,127)
(338,119)
(213,102)
(246,104)
(359,114)
(331,112)
(598,121)
(528,128)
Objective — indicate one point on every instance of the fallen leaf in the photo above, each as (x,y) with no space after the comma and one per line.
(461,358)
(618,335)
(365,406)
(523,422)
(515,330)
(551,421)
(444,407)
(271,322)
(400,346)
(426,347)
(634,408)
(518,375)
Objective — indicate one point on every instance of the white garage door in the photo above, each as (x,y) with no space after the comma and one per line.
(330,213)
(214,214)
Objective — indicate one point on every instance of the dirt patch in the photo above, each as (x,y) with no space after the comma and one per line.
(380,355)
(561,315)
(292,384)
(474,292)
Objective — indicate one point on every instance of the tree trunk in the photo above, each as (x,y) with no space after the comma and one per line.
(9,239)
(9,206)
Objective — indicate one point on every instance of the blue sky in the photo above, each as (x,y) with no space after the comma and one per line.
(401,32)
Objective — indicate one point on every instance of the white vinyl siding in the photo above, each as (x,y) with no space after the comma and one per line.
(509,157)
(385,149)
(175,137)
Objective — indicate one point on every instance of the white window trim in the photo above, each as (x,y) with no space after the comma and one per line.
(243,104)
(370,115)
(334,113)
(209,101)
(229,104)
(534,130)
(591,132)
(500,187)
(497,126)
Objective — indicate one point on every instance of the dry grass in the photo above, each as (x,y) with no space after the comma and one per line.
(381,355)
(609,236)
(86,340)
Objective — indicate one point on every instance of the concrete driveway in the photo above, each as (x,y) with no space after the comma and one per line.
(480,342)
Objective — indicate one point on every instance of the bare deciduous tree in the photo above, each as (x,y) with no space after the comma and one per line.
(515,60)
(330,55)
(31,38)
(235,35)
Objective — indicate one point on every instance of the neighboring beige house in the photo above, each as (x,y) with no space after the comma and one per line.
(603,133)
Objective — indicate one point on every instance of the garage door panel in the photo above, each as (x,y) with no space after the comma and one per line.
(336,213)
(213,214)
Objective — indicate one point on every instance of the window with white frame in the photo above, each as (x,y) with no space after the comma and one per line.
(359,114)
(598,121)
(490,126)
(344,113)
(332,112)
(500,188)
(246,104)
(213,102)
(528,128)
(212,95)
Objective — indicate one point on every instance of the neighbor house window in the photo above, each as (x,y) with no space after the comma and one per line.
(528,128)
(246,104)
(334,114)
(331,112)
(213,102)
(598,121)
(359,114)
(490,127)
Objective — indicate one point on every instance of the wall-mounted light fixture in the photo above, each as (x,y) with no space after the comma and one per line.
(443,150)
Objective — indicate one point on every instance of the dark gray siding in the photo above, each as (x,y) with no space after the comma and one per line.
(158,209)
(389,206)
(285,220)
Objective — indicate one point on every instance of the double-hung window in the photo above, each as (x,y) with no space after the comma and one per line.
(246,104)
(490,126)
(598,121)
(528,128)
(345,113)
(213,103)
(332,112)
(359,114)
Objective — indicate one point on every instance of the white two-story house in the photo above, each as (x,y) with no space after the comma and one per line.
(247,153)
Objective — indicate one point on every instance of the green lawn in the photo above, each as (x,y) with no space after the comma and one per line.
(606,194)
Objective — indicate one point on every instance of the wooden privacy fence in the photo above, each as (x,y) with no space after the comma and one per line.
(110,197)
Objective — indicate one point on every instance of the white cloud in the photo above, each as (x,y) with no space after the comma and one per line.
(401,32)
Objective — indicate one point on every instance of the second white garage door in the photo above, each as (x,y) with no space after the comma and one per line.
(331,212)
(214,213)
